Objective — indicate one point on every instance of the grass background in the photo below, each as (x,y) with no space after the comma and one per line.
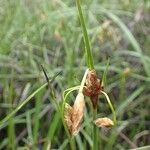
(48,32)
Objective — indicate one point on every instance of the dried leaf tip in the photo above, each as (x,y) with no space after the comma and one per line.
(104,122)
(73,115)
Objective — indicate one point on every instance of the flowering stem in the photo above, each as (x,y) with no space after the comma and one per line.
(95,140)
(70,138)
(89,58)
(90,64)
(73,144)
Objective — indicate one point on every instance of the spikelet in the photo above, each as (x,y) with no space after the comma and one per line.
(78,112)
(73,115)
(104,122)
(92,87)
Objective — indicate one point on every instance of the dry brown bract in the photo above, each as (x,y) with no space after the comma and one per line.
(104,122)
(73,115)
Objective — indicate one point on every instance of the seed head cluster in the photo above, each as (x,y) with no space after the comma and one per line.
(73,115)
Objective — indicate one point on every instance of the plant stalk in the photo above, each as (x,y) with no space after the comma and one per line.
(89,57)
(95,136)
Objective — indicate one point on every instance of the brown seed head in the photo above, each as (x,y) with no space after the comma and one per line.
(92,84)
(92,87)
(73,115)
(104,122)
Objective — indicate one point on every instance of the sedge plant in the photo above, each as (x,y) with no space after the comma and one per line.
(90,87)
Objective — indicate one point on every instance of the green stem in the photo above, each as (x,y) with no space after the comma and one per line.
(73,144)
(111,107)
(105,74)
(90,62)
(95,139)
(11,124)
(70,138)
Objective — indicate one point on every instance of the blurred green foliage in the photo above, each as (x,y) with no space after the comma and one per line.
(48,32)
